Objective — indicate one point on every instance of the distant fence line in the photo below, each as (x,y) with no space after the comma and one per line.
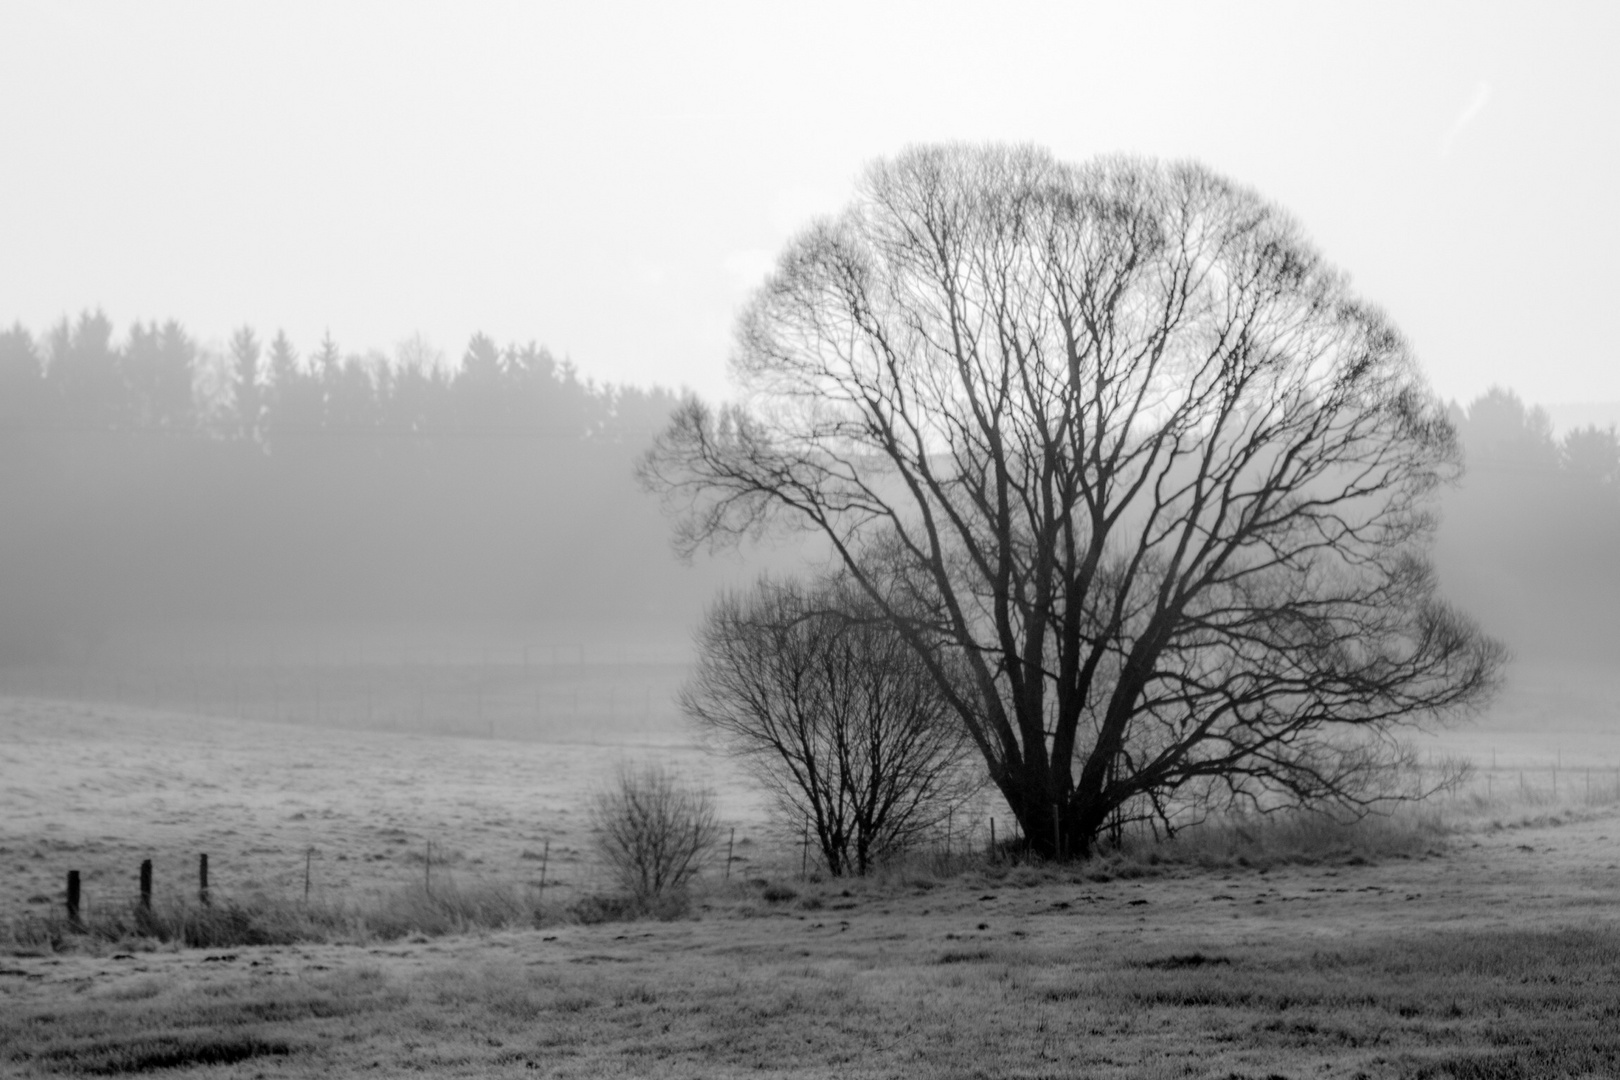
(965,835)
(794,851)
(1596,785)
(434,874)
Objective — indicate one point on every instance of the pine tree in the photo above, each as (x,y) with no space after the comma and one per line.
(247,398)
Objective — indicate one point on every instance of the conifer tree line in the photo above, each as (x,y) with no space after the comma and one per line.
(80,376)
(1531,539)
(144,476)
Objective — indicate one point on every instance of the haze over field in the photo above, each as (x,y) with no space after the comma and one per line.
(609,184)
(1148,479)
(349,359)
(153,488)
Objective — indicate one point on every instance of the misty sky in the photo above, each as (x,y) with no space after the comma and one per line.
(611,179)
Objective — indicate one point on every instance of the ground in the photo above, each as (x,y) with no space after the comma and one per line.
(1495,952)
(98,788)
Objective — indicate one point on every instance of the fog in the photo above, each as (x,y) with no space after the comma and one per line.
(160,495)
(610,184)
(164,498)
(337,631)
(1529,539)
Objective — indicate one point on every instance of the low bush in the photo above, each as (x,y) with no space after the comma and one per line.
(654,832)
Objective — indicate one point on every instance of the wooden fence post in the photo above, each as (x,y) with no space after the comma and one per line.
(146,884)
(202,879)
(73,899)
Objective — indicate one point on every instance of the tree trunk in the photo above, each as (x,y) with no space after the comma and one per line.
(1058,827)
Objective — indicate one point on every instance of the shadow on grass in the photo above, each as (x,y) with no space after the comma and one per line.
(176,1051)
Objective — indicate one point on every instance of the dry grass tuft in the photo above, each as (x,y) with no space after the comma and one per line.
(1284,838)
(447,908)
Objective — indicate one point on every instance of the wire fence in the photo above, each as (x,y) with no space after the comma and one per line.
(1582,785)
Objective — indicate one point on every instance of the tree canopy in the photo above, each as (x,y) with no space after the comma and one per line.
(1120,443)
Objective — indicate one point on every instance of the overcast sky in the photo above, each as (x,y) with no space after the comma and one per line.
(611,179)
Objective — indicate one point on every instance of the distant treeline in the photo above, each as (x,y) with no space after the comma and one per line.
(143,477)
(1530,543)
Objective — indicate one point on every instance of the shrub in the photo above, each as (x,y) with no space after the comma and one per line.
(653,832)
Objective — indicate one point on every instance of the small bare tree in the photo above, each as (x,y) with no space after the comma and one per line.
(653,831)
(834,713)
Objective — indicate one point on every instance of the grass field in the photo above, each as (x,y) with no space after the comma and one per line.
(99,788)
(1478,937)
(1500,958)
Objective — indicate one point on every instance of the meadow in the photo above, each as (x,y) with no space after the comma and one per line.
(1475,936)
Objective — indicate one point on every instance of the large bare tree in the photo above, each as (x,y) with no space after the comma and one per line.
(1145,463)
